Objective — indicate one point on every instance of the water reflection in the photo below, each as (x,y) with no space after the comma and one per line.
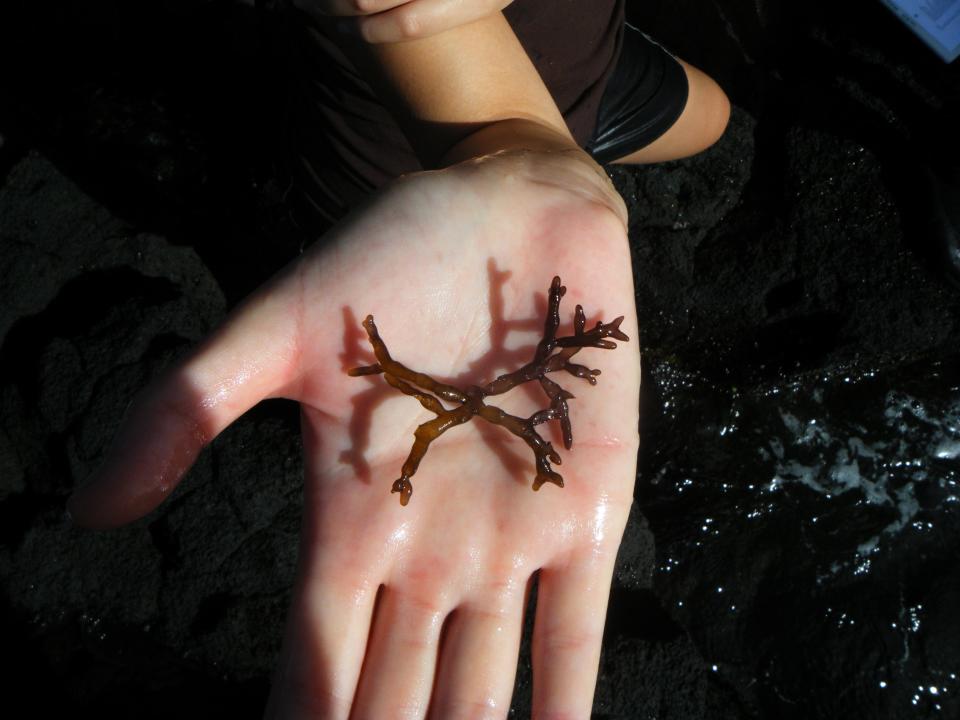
(806,535)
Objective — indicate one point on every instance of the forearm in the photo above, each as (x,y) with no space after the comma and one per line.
(468,91)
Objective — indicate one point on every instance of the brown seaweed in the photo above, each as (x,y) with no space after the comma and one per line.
(552,354)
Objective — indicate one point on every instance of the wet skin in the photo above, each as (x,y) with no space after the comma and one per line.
(378,582)
(469,403)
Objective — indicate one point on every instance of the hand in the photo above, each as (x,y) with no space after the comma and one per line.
(454,265)
(387,21)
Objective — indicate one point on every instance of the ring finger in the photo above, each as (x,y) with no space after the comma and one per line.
(478,661)
(397,675)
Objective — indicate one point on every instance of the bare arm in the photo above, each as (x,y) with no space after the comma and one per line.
(468,91)
(462,557)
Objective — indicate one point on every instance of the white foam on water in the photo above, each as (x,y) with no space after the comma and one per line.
(913,438)
(948,450)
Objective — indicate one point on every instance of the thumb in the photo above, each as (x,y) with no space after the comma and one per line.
(250,357)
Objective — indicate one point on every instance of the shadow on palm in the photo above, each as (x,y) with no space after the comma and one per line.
(497,359)
(377,581)
(497,362)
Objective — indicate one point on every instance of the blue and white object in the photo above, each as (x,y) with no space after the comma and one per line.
(936,22)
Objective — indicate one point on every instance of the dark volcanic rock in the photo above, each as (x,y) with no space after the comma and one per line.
(635,561)
(93,312)
(674,208)
(663,680)
(792,550)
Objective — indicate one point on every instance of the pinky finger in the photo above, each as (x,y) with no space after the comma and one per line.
(568,631)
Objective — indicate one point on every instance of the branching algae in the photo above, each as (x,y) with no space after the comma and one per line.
(552,354)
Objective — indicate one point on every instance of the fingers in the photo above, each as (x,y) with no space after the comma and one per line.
(389,21)
(568,630)
(478,662)
(249,358)
(399,669)
(322,652)
(423,18)
(346,8)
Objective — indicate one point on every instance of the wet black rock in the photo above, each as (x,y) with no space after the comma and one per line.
(792,549)
(94,311)
(643,679)
(634,570)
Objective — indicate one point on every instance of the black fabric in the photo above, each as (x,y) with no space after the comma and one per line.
(343,143)
(644,96)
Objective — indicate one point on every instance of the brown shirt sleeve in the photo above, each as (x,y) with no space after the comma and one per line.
(574,44)
(344,143)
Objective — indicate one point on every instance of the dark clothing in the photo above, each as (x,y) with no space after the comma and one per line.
(345,143)
(574,44)
(644,97)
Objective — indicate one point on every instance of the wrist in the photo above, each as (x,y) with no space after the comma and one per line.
(509,134)
(543,154)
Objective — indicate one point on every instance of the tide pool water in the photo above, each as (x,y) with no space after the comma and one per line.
(807,533)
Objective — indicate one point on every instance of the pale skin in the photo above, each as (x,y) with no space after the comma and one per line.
(390,21)
(384,22)
(416,611)
(700,125)
(460,556)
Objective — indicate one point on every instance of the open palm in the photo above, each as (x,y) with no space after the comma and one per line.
(417,610)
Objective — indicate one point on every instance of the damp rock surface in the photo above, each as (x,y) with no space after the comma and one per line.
(792,548)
